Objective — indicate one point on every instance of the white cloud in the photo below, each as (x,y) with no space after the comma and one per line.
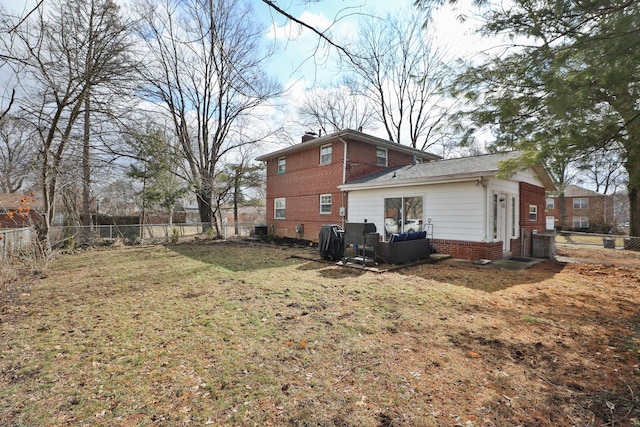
(294,31)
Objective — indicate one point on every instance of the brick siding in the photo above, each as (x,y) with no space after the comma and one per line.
(468,250)
(305,179)
(532,195)
(599,211)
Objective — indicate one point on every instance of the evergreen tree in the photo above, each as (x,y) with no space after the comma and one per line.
(570,84)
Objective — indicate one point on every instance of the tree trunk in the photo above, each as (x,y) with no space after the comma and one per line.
(204,208)
(562,206)
(86,168)
(633,170)
(236,191)
(634,211)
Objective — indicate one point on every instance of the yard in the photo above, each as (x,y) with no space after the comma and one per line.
(245,333)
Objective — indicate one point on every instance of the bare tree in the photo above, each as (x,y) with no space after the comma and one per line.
(604,169)
(399,68)
(67,50)
(204,66)
(16,154)
(119,197)
(335,108)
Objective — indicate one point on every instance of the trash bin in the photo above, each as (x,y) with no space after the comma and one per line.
(609,242)
(331,242)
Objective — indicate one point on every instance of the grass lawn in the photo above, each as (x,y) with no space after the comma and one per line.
(250,334)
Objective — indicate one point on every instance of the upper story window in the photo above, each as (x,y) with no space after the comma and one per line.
(282,164)
(580,203)
(381,156)
(551,204)
(325,154)
(279,208)
(533,213)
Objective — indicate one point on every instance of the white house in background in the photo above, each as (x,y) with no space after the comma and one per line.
(474,213)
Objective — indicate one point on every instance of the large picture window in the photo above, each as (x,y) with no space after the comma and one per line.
(325,204)
(280,208)
(325,154)
(402,215)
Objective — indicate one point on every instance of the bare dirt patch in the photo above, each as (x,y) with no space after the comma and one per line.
(247,334)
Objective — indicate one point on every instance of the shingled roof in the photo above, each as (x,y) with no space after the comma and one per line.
(451,170)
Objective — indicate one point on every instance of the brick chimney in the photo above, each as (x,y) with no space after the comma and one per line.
(308,136)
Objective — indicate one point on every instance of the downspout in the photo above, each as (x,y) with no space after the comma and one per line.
(344,178)
(485,206)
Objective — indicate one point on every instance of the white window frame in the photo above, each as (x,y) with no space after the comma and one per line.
(280,208)
(326,158)
(582,222)
(325,204)
(282,165)
(382,160)
(551,204)
(533,212)
(583,203)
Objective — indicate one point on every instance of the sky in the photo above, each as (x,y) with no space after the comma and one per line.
(302,63)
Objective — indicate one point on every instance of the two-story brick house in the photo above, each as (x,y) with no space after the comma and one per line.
(584,210)
(349,176)
(303,180)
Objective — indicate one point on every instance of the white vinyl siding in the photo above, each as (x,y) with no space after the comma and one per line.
(456,210)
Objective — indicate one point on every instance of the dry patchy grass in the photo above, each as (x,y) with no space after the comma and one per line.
(245,334)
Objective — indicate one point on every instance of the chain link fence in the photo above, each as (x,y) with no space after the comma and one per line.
(15,240)
(61,236)
(603,240)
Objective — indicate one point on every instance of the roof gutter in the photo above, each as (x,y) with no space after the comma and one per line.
(405,183)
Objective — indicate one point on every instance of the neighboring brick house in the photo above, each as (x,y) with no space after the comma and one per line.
(585,210)
(303,180)
(18,210)
(472,211)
